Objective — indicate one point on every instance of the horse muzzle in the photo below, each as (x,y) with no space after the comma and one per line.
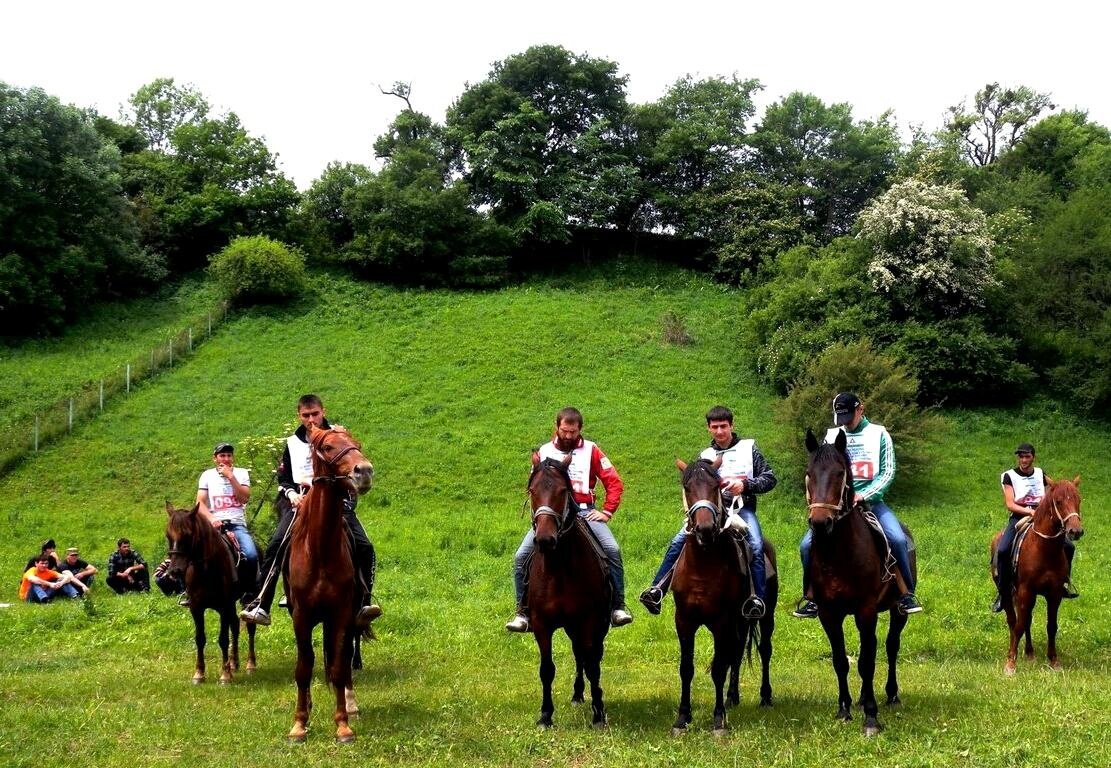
(362,477)
(546,542)
(1074,534)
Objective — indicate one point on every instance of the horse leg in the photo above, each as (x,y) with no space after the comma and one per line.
(1052,604)
(1023,608)
(200,640)
(725,651)
(894,640)
(1010,607)
(225,646)
(588,658)
(686,674)
(835,632)
(302,673)
(339,674)
(767,627)
(577,692)
(866,666)
(547,674)
(252,664)
(733,690)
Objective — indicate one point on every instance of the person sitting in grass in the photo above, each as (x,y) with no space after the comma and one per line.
(48,549)
(41,583)
(81,570)
(127,571)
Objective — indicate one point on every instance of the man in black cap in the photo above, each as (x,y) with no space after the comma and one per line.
(872,459)
(1023,489)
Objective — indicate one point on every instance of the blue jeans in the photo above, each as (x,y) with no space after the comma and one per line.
(755,541)
(609,546)
(246,544)
(895,537)
(40,594)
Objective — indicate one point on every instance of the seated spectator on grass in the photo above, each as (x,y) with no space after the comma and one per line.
(165,580)
(41,583)
(81,570)
(127,570)
(48,549)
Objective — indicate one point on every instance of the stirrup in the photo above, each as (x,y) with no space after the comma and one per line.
(653,600)
(753,608)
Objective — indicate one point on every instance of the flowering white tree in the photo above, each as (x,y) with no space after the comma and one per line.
(932,253)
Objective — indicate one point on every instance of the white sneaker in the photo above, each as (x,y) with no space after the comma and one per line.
(620,617)
(257,615)
(518,623)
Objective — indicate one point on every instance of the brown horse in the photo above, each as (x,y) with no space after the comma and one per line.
(320,573)
(848,576)
(710,586)
(1042,567)
(202,560)
(567,587)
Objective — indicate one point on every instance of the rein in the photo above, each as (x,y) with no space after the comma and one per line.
(1061,520)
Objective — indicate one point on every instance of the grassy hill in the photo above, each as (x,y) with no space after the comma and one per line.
(448,392)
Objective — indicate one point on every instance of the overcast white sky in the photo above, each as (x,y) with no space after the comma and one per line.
(304,75)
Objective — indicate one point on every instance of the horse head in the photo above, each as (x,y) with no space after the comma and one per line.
(551,499)
(337,456)
(181,537)
(829,487)
(1063,499)
(702,498)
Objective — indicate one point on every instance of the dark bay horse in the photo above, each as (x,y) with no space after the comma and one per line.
(710,586)
(567,587)
(202,560)
(848,576)
(1043,567)
(320,573)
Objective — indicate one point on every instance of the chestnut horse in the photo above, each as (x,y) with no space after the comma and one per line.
(710,586)
(1042,567)
(567,587)
(202,560)
(849,576)
(320,573)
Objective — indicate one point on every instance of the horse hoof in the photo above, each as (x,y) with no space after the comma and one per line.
(766,702)
(545,721)
(872,730)
(1055,666)
(894,701)
(720,732)
(345,736)
(600,725)
(251,669)
(1009,669)
(297,735)
(198,679)
(678,730)
(844,715)
(732,701)
(577,701)
(224,680)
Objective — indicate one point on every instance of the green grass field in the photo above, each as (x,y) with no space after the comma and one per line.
(448,392)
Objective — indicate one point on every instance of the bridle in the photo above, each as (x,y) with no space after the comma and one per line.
(563,519)
(841,508)
(690,509)
(1060,520)
(333,462)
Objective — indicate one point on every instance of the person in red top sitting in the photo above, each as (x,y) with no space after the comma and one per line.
(588,465)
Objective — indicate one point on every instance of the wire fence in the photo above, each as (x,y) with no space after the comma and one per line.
(60,418)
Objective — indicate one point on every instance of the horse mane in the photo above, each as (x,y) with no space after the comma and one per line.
(700,465)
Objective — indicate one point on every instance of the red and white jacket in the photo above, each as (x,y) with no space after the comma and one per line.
(588,465)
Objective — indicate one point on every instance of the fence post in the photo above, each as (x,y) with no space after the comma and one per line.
(36,433)
(128,387)
(209,323)
(152,361)
(171,353)
(190,339)
(70,429)
(102,394)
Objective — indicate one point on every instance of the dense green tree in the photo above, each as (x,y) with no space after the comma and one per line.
(831,165)
(325,209)
(517,133)
(996,120)
(211,182)
(1052,147)
(161,107)
(67,236)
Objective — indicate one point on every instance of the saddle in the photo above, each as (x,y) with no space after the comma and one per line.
(595,547)
(880,539)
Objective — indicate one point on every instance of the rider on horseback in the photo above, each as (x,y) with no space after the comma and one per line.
(588,465)
(222,495)
(295,478)
(872,457)
(1023,489)
(744,473)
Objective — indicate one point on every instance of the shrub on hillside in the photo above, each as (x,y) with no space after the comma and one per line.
(258,269)
(886,388)
(958,362)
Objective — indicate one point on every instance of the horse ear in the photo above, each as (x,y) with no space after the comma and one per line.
(682,465)
(196,508)
(1049,481)
(567,461)
(717,463)
(535,458)
(811,441)
(1076,481)
(841,441)
(169,508)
